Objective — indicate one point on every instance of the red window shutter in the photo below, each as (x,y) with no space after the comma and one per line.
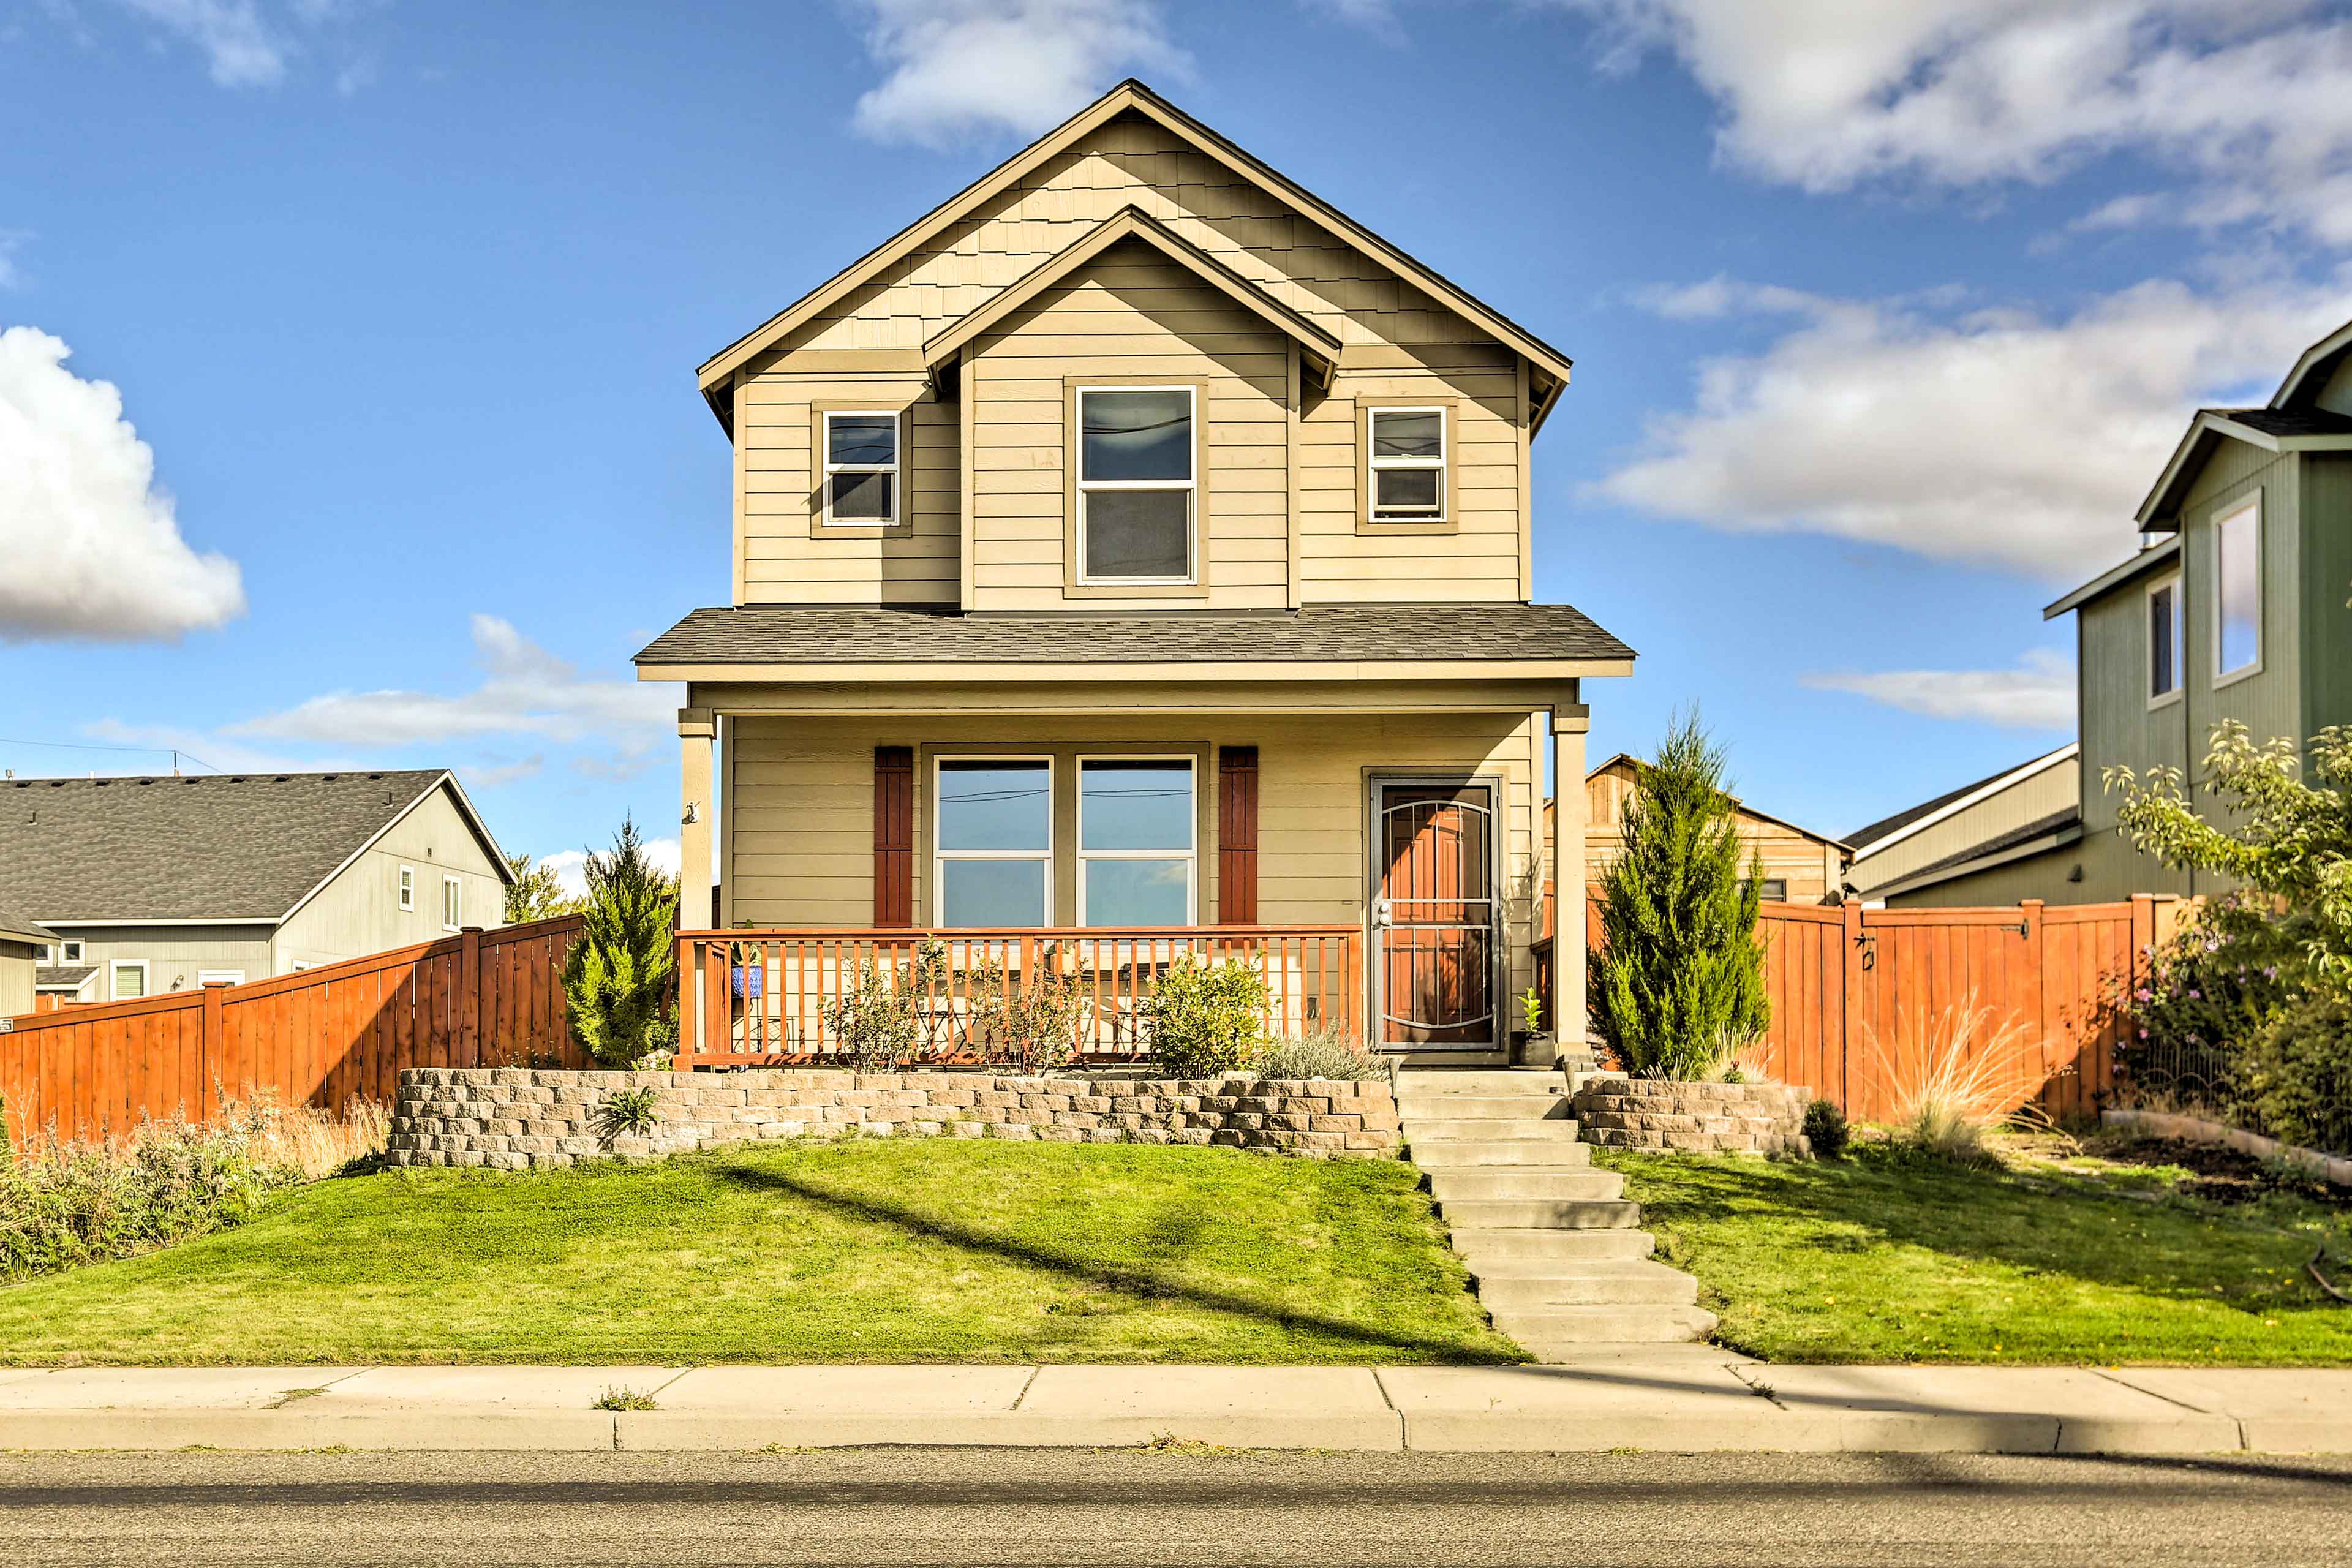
(1237,836)
(894,835)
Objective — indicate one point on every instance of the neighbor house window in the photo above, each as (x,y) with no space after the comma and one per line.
(69,953)
(129,978)
(1407,465)
(408,886)
(1137,484)
(861,469)
(2238,595)
(1136,841)
(452,902)
(2164,640)
(220,977)
(992,841)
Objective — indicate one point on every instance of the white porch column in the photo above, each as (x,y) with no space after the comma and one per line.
(1568,723)
(697,729)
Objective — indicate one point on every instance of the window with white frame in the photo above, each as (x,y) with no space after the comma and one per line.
(1137,484)
(1137,862)
(992,841)
(2164,639)
(128,979)
(861,469)
(1408,464)
(2238,590)
(453,902)
(220,977)
(408,886)
(69,953)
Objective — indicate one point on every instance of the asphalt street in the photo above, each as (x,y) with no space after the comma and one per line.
(1033,1506)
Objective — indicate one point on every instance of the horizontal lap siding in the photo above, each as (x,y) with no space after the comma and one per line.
(782,563)
(1089,329)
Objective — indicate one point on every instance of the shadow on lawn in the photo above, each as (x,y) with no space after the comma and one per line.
(2049,1225)
(1140,1283)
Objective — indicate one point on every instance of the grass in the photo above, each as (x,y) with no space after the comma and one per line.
(876,1250)
(2028,1258)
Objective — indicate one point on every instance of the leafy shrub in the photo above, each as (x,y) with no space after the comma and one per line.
(2209,993)
(1680,964)
(64,1204)
(886,1018)
(1029,1023)
(1325,1054)
(2295,1081)
(1825,1129)
(1206,1020)
(627,1113)
(620,973)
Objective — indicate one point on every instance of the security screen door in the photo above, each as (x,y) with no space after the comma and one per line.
(1434,917)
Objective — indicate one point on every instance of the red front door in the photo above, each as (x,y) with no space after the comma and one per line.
(1433,921)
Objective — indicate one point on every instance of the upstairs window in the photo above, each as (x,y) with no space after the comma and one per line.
(2164,640)
(1137,484)
(1407,465)
(408,886)
(2238,591)
(992,838)
(861,469)
(69,953)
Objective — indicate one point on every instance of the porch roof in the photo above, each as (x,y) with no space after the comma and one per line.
(1468,634)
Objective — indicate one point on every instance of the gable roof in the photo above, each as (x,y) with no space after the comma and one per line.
(2288,422)
(2315,364)
(2113,576)
(1903,823)
(1132,223)
(1628,761)
(1128,97)
(24,928)
(2060,829)
(229,848)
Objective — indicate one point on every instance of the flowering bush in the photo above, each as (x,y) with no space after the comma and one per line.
(2210,993)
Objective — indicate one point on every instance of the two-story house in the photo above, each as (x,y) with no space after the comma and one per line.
(2234,607)
(1135,543)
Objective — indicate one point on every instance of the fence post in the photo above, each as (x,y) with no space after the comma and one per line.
(211,1038)
(1851,1007)
(470,996)
(2037,994)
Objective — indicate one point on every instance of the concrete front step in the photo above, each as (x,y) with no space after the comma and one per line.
(1448,1154)
(1484,1080)
(1413,1106)
(1538,1214)
(1488,1248)
(1567,1327)
(1474,1184)
(1555,1129)
(1606,1282)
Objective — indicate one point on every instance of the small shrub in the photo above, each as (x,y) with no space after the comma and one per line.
(621,971)
(1207,1019)
(1531,1011)
(1953,1074)
(1825,1129)
(627,1113)
(885,1019)
(1030,1024)
(1325,1054)
(2297,1078)
(620,1398)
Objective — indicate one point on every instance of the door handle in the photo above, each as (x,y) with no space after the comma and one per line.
(1383,917)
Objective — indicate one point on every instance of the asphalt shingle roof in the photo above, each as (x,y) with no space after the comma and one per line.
(62,974)
(762,634)
(235,847)
(2289,421)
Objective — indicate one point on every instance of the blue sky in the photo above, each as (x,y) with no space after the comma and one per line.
(1884,312)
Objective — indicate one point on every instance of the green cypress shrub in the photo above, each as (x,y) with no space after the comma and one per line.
(1680,970)
(619,976)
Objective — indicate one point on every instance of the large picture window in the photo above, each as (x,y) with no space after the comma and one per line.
(2238,591)
(1137,484)
(861,469)
(1137,859)
(1408,461)
(992,841)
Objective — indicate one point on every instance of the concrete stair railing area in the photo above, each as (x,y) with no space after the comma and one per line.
(1555,1252)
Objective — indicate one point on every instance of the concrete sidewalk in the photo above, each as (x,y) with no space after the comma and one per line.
(1662,1398)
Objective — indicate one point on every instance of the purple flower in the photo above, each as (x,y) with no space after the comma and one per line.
(2144,994)
(2143,1034)
(2270,972)
(2197,996)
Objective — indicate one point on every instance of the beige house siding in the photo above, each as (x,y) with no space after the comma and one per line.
(18,959)
(797,842)
(1809,864)
(358,912)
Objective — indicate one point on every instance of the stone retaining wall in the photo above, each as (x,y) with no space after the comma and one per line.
(1655,1113)
(513,1119)
(2333,1169)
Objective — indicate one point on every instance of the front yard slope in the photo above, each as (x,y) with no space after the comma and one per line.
(870,1251)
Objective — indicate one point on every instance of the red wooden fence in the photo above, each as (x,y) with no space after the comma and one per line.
(322,1036)
(1851,989)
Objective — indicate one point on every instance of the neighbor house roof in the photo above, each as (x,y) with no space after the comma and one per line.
(2061,828)
(62,976)
(16,925)
(2290,421)
(1629,761)
(1887,829)
(240,846)
(2115,576)
(1128,97)
(1351,634)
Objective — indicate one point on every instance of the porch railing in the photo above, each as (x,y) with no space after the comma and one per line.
(751,997)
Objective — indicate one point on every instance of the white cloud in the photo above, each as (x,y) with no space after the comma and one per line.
(570,866)
(2038,694)
(525,690)
(92,548)
(2249,99)
(961,68)
(1998,437)
(241,47)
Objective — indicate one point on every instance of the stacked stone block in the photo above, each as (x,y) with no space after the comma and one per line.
(513,1119)
(1653,1113)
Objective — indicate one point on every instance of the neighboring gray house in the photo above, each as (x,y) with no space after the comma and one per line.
(150,885)
(23,944)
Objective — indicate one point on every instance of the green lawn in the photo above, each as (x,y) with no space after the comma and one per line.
(873,1251)
(1888,1257)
